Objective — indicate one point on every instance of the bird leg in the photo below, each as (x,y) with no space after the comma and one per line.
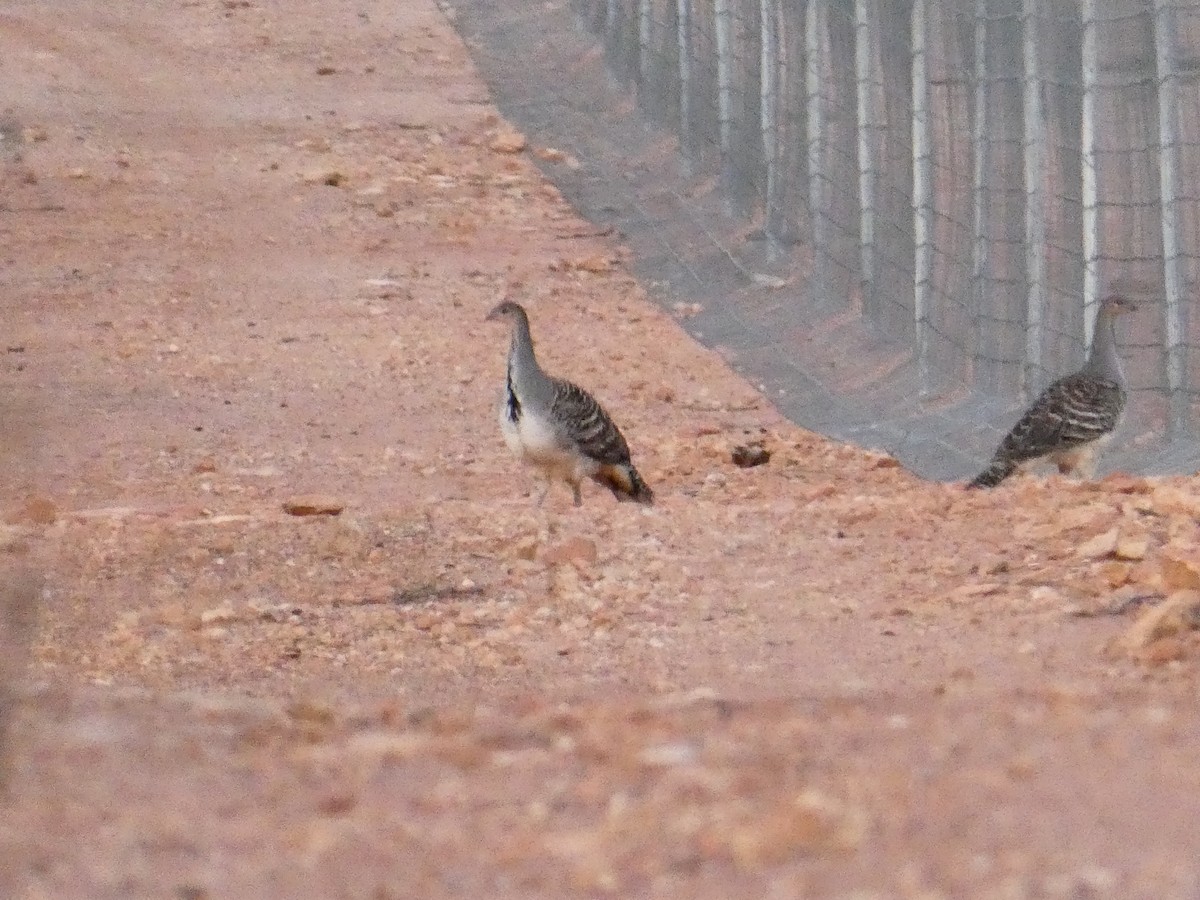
(1086,466)
(577,493)
(548,525)
(1078,461)
(545,527)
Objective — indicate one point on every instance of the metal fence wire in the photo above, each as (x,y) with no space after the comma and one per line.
(901,215)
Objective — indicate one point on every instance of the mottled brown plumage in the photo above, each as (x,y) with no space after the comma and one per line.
(559,428)
(1074,416)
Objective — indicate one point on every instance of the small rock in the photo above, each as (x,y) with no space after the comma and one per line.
(315,145)
(883,461)
(597,265)
(1100,546)
(275,612)
(1121,483)
(1167,499)
(326,70)
(1044,595)
(970,591)
(687,310)
(508,142)
(313,505)
(1180,574)
(768,281)
(1131,549)
(205,465)
(1179,613)
(330,177)
(550,154)
(1089,516)
(1161,651)
(747,456)
(662,756)
(1117,574)
(218,615)
(995,567)
(1123,600)
(579,551)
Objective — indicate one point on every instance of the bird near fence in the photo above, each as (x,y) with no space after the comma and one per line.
(1075,416)
(558,428)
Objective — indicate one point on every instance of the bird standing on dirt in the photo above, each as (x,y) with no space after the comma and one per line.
(558,427)
(1074,416)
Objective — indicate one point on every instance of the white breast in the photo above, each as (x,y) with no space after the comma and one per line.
(535,441)
(537,438)
(508,428)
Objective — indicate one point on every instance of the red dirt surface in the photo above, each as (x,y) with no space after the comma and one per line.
(248,249)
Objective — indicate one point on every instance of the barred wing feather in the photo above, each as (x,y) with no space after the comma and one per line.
(585,424)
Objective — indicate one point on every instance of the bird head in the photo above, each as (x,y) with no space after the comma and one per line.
(508,309)
(1116,305)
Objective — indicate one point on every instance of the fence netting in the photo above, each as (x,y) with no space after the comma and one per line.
(897,216)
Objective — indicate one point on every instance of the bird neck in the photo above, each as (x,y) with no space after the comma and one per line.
(522,364)
(1104,361)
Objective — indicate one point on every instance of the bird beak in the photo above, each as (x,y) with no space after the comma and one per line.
(493,315)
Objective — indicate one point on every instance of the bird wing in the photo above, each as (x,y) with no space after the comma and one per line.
(1072,411)
(585,425)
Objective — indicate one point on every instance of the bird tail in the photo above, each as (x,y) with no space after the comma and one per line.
(625,483)
(996,472)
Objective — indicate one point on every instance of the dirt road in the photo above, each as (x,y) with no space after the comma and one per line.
(247,256)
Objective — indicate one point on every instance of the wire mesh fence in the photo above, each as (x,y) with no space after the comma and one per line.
(902,214)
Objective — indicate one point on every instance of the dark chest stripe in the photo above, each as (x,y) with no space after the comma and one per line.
(512,406)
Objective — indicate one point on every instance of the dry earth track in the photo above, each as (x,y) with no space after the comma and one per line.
(247,253)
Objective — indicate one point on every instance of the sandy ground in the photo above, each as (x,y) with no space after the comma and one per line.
(247,254)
